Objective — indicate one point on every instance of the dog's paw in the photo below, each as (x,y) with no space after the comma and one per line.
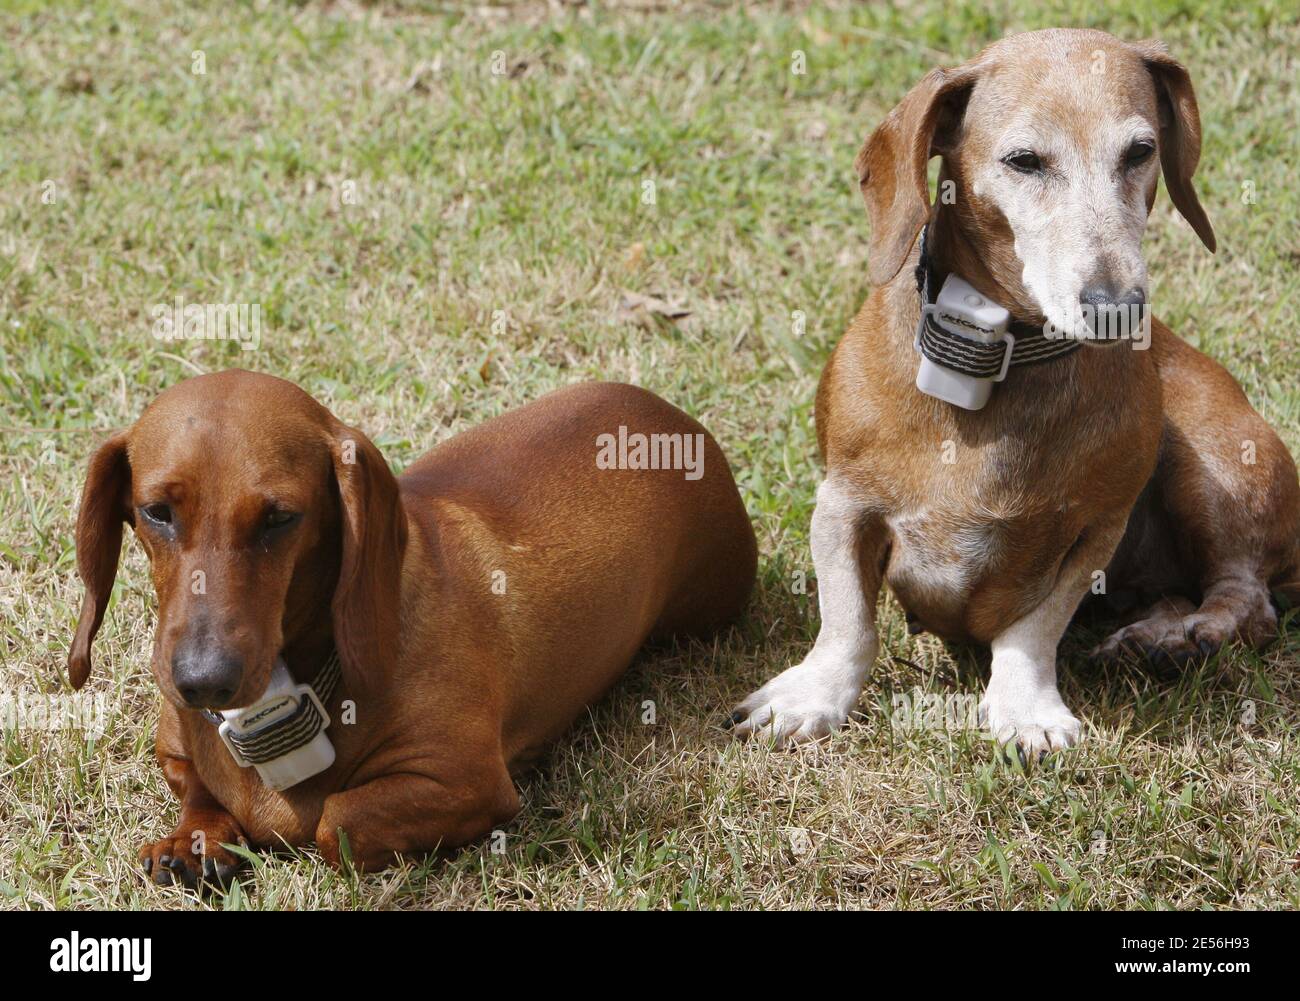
(1173,633)
(801,704)
(196,862)
(1160,636)
(1034,725)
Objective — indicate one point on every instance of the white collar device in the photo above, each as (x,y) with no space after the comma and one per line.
(282,734)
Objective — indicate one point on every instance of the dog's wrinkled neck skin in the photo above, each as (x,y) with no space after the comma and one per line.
(307,648)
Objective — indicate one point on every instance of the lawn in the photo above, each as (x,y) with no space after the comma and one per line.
(444,213)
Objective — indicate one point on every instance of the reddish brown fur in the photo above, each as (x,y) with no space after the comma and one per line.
(455,687)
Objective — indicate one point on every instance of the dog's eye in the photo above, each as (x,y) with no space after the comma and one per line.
(1024,160)
(279,519)
(159,514)
(1139,153)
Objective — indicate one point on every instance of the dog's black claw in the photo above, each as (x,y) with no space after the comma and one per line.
(226,873)
(733,719)
(1024,760)
(219,875)
(1162,661)
(147,865)
(184,873)
(163,877)
(1207,648)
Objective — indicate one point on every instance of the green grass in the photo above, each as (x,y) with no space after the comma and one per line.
(499,228)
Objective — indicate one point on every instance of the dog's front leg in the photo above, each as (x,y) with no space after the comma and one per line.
(410,813)
(192,854)
(1022,703)
(809,700)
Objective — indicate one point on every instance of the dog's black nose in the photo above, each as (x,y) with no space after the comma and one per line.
(1099,297)
(206,676)
(1114,317)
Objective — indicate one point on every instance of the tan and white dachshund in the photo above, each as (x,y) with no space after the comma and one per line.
(477,603)
(1141,473)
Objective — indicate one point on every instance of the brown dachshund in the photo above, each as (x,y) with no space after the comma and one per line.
(1135,469)
(477,603)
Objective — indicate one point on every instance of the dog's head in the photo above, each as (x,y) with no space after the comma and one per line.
(1052,142)
(257,510)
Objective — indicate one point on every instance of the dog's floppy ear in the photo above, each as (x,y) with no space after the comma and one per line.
(893,161)
(105,507)
(1180,134)
(366,607)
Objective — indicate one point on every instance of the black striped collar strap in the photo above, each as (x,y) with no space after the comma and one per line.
(1026,345)
(295,730)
